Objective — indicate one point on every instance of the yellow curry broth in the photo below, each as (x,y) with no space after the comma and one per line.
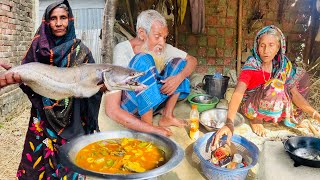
(120,156)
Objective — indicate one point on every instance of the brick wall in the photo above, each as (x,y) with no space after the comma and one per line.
(290,16)
(216,48)
(16,31)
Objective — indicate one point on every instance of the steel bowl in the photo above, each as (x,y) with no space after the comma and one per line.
(173,153)
(204,99)
(215,119)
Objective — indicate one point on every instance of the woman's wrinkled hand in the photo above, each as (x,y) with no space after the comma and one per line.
(225,130)
(8,78)
(103,87)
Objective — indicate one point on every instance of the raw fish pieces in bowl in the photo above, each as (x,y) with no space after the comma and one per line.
(215,119)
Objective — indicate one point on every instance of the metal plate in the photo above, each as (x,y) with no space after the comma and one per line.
(173,153)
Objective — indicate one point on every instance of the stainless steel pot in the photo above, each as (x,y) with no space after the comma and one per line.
(173,153)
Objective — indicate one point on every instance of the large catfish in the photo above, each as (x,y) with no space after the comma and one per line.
(80,81)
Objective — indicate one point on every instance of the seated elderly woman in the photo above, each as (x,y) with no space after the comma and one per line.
(270,87)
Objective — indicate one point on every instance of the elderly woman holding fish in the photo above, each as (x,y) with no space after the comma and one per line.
(166,75)
(53,122)
(270,87)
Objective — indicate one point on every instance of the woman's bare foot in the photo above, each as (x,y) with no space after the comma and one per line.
(171,121)
(276,124)
(258,128)
(303,124)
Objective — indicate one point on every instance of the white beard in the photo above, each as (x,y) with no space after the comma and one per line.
(156,54)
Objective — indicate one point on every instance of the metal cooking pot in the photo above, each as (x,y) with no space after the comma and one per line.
(173,153)
(303,150)
(214,86)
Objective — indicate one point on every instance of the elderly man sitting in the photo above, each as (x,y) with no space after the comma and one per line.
(166,70)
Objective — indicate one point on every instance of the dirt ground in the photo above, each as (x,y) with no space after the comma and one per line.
(12,135)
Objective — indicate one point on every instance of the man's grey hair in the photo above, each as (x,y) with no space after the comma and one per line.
(146,18)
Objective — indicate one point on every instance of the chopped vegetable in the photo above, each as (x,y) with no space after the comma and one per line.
(99,160)
(134,167)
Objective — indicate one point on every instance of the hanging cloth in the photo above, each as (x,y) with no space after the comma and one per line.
(197,16)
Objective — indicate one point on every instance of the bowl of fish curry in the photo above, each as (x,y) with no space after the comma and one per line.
(121,155)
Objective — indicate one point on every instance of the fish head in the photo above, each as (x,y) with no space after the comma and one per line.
(121,78)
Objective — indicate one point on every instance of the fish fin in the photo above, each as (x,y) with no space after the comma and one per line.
(101,72)
(107,69)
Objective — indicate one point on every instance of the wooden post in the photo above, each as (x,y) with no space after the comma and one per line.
(130,15)
(239,44)
(310,37)
(107,30)
(175,14)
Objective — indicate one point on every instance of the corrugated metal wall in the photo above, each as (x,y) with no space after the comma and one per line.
(90,37)
(88,18)
(88,22)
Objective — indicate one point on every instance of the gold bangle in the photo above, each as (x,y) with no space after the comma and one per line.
(314,114)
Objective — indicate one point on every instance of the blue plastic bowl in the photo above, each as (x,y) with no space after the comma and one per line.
(247,149)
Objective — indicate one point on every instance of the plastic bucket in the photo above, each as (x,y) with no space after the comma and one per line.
(216,87)
(248,150)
